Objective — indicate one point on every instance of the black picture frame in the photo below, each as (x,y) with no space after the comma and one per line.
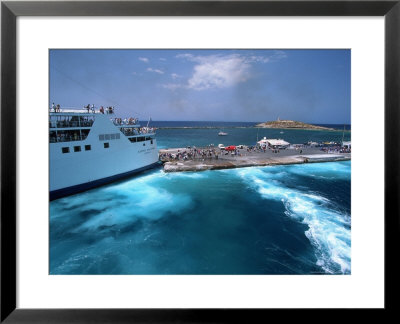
(10,10)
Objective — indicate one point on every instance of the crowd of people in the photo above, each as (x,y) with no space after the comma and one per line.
(55,108)
(336,149)
(210,152)
(90,108)
(108,110)
(126,121)
(191,154)
(137,131)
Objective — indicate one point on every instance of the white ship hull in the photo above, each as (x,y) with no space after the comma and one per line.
(95,164)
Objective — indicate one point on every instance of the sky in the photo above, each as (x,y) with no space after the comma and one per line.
(311,86)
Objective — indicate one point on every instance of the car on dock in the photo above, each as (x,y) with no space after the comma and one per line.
(221,147)
(230,148)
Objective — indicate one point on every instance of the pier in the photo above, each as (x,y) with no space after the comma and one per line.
(213,158)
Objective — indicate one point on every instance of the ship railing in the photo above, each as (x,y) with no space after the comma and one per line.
(66,138)
(69,124)
(135,131)
(73,110)
(125,122)
(85,110)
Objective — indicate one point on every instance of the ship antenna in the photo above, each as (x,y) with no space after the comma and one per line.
(148,122)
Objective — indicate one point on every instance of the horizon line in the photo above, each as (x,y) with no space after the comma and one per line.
(234,121)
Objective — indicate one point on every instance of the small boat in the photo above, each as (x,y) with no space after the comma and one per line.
(222,134)
(281,132)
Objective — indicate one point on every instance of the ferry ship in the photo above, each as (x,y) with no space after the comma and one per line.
(89,148)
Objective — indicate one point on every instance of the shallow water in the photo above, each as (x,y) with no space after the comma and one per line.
(261,220)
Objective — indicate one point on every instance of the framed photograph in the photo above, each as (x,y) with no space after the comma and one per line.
(197,160)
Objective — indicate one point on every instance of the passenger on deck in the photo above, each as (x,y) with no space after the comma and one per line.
(101,110)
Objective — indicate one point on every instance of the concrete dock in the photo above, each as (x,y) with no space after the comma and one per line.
(215,158)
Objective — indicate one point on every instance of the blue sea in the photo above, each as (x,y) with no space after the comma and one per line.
(293,219)
(183,134)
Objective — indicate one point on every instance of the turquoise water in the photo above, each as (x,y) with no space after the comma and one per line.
(178,137)
(261,220)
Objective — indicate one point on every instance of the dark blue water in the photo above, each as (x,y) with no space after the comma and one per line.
(260,220)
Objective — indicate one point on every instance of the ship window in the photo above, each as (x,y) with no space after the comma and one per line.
(117,136)
(77,148)
(84,134)
(65,149)
(101,137)
(53,137)
(107,137)
(106,145)
(144,144)
(151,141)
(88,147)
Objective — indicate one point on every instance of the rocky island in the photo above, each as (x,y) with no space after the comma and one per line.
(290,124)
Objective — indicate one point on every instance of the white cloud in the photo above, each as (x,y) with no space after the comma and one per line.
(258,59)
(175,76)
(222,71)
(278,55)
(144,59)
(162,59)
(155,70)
(186,56)
(219,72)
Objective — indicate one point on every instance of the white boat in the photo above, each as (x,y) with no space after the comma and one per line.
(89,148)
(222,134)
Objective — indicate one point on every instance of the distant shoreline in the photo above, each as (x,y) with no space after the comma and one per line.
(226,127)
(308,129)
(293,124)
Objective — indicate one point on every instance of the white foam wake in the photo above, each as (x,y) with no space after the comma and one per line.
(124,203)
(329,229)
